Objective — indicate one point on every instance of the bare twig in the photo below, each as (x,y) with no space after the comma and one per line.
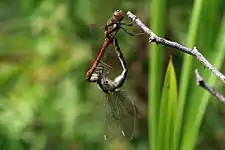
(154,38)
(201,82)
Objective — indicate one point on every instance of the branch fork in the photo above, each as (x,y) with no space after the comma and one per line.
(195,53)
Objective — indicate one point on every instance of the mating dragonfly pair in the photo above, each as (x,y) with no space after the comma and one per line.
(120,108)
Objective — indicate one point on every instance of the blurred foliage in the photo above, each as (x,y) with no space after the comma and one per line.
(45,51)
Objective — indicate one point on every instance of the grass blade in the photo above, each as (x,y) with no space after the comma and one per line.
(156,67)
(168,110)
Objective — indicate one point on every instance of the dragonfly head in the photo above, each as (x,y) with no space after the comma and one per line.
(95,77)
(118,15)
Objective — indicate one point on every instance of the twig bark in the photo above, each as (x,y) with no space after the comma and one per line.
(201,82)
(154,38)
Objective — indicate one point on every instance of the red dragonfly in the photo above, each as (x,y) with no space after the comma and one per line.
(111,29)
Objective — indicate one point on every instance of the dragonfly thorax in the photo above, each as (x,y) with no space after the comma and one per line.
(111,30)
(106,85)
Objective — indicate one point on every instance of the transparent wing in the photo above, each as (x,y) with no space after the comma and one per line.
(120,114)
(127,108)
(112,119)
(98,37)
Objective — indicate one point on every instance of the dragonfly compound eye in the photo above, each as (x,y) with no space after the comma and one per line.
(105,82)
(118,14)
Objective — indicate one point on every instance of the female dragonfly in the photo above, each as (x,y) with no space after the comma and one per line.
(120,107)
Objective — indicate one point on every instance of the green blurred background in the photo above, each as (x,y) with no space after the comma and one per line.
(45,51)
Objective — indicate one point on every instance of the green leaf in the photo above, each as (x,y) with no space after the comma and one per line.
(156,54)
(186,71)
(196,109)
(168,110)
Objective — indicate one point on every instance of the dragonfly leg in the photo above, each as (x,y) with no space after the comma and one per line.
(133,34)
(99,70)
(128,24)
(104,75)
